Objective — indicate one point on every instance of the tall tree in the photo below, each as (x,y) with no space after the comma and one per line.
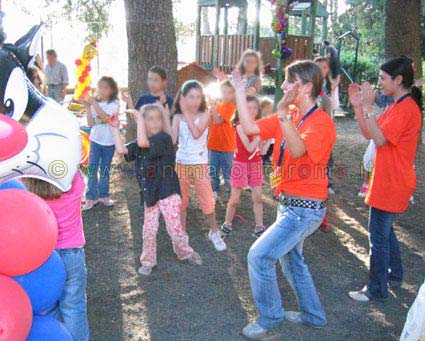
(403,32)
(151,41)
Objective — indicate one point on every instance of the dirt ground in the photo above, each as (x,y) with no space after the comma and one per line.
(214,301)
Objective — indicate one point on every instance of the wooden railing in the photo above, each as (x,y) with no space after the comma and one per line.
(224,51)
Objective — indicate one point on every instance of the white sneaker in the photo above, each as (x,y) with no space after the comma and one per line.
(253,331)
(216,239)
(359,295)
(145,270)
(195,259)
(106,201)
(89,204)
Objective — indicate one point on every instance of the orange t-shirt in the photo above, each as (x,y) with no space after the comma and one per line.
(222,137)
(393,178)
(304,177)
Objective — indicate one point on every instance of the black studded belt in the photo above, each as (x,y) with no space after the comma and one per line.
(313,204)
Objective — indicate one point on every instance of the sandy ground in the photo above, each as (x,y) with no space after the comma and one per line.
(214,301)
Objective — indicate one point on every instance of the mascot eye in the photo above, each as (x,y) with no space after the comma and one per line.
(15,98)
(9,107)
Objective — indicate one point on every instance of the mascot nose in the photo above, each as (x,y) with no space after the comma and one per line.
(13,137)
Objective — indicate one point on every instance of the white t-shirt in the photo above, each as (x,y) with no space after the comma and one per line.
(101,132)
(191,151)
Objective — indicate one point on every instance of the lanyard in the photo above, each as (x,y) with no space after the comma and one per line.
(402,98)
(283,145)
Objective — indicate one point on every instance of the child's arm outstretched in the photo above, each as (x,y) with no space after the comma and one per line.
(142,137)
(252,146)
(119,145)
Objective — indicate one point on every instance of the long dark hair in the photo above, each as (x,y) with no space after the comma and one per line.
(113,85)
(403,66)
(184,90)
(328,82)
(235,118)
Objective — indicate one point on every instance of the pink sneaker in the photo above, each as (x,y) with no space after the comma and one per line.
(89,204)
(363,190)
(106,201)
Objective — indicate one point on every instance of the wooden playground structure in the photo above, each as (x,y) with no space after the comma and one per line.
(223,50)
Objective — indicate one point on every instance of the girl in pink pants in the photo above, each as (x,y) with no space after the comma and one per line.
(153,153)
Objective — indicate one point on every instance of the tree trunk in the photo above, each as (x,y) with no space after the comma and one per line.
(403,31)
(151,41)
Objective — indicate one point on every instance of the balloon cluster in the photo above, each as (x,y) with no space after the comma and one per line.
(280,26)
(83,87)
(32,274)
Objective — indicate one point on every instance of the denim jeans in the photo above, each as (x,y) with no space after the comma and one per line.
(284,241)
(385,258)
(220,161)
(72,305)
(99,162)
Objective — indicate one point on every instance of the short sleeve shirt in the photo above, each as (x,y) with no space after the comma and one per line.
(393,179)
(150,99)
(154,167)
(101,133)
(222,137)
(306,176)
(56,74)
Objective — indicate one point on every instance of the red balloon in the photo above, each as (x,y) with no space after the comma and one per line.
(88,68)
(15,310)
(85,74)
(28,230)
(82,79)
(78,62)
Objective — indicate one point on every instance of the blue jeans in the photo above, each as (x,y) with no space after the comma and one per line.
(385,258)
(99,162)
(72,305)
(284,241)
(220,161)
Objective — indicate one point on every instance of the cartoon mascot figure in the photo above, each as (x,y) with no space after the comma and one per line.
(38,137)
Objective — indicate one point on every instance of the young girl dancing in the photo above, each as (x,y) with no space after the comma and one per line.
(160,191)
(247,171)
(190,129)
(102,146)
(251,66)
(72,305)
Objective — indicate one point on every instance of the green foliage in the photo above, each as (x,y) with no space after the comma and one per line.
(366,17)
(367,68)
(93,13)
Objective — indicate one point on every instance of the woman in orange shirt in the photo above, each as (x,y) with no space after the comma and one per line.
(393,180)
(302,187)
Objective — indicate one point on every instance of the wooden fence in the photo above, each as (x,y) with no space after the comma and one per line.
(224,51)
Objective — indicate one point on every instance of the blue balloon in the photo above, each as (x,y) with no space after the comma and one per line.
(12,184)
(45,328)
(45,284)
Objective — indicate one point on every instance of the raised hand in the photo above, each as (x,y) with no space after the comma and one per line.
(288,98)
(135,115)
(368,95)
(239,81)
(355,95)
(220,75)
(114,121)
(126,97)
